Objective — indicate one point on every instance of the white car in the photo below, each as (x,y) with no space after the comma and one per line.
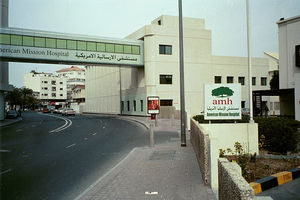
(68,111)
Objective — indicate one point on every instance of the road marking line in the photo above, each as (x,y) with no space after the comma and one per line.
(94,133)
(5,171)
(70,145)
(63,127)
(18,130)
(85,138)
(4,151)
(103,176)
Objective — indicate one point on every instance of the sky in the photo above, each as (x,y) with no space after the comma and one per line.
(119,18)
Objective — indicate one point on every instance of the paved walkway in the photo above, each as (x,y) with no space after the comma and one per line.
(7,122)
(166,171)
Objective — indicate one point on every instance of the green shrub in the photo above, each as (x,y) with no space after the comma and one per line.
(280,134)
(276,134)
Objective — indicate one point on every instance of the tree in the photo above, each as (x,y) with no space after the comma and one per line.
(14,97)
(21,96)
(222,92)
(274,82)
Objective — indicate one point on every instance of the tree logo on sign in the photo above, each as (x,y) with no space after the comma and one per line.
(222,92)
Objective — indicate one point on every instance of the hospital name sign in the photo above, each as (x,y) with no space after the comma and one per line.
(222,101)
(47,54)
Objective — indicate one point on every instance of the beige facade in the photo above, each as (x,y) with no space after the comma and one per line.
(160,74)
(47,85)
(289,73)
(273,101)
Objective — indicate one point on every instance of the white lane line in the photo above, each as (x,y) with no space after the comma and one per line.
(18,130)
(85,138)
(70,146)
(67,124)
(5,171)
(4,150)
(64,127)
(102,177)
(94,133)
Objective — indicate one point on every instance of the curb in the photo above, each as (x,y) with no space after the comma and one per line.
(16,121)
(136,121)
(275,180)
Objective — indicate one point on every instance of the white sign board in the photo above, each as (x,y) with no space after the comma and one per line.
(222,101)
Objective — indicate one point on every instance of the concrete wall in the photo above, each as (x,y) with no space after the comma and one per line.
(220,136)
(232,185)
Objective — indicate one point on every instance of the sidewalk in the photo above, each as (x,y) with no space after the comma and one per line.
(166,171)
(7,122)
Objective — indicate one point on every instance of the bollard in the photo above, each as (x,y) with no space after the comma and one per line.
(151,135)
(156,120)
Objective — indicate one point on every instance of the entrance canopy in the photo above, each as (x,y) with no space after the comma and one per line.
(23,45)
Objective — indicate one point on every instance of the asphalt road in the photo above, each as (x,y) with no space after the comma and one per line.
(46,156)
(287,191)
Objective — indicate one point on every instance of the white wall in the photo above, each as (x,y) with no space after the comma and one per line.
(223,136)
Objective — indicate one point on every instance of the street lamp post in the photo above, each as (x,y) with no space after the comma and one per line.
(249,61)
(182,99)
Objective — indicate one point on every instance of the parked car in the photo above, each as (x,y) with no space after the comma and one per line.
(60,110)
(45,110)
(12,114)
(68,111)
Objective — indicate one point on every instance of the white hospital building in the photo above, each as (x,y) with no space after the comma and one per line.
(160,74)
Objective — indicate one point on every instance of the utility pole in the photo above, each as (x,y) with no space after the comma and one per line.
(249,61)
(182,93)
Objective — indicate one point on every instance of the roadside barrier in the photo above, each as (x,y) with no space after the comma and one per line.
(275,180)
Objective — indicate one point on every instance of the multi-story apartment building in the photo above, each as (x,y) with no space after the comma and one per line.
(111,89)
(46,86)
(74,75)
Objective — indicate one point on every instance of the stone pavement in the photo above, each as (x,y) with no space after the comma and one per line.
(166,171)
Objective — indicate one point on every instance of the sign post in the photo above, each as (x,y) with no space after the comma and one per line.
(222,101)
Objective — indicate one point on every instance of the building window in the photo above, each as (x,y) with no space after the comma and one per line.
(165,79)
(159,22)
(45,94)
(122,105)
(53,88)
(218,79)
(61,95)
(44,81)
(165,49)
(263,81)
(276,105)
(61,82)
(60,89)
(166,102)
(243,104)
(53,95)
(128,105)
(229,79)
(53,82)
(134,105)
(142,106)
(242,80)
(253,80)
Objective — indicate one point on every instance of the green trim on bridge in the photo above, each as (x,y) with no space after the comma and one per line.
(23,45)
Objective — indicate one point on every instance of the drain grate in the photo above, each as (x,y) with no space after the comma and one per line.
(163,155)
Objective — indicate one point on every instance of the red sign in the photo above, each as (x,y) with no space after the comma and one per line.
(153,105)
